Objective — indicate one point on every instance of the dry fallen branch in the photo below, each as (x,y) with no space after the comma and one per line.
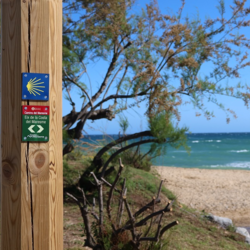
(151,221)
(109,185)
(132,219)
(100,196)
(112,189)
(151,203)
(156,238)
(144,220)
(168,227)
(132,222)
(121,204)
(90,241)
(93,210)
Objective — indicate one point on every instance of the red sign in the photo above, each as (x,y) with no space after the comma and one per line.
(35,110)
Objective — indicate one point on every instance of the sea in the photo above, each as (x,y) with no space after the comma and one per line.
(207,151)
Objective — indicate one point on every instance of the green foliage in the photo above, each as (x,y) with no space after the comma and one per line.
(221,7)
(70,174)
(123,123)
(134,158)
(74,165)
(76,155)
(163,129)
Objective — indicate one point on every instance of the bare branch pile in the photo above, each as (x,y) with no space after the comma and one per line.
(121,227)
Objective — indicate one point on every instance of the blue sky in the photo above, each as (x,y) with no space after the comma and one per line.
(195,124)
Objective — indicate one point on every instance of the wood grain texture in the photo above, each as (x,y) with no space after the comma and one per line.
(39,63)
(11,125)
(55,149)
(26,211)
(32,195)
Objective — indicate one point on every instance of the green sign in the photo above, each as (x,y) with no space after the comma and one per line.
(35,123)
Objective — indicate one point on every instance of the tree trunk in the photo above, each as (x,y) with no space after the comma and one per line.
(68,148)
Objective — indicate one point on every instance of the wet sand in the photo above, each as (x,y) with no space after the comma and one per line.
(220,192)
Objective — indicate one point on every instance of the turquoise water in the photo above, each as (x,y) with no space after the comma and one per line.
(208,150)
(220,150)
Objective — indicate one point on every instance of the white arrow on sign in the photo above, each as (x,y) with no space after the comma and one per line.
(40,128)
(30,128)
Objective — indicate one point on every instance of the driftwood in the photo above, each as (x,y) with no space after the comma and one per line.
(132,222)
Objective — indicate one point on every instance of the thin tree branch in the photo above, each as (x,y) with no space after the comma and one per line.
(93,210)
(112,81)
(79,86)
(151,203)
(109,185)
(124,149)
(132,219)
(100,197)
(144,221)
(112,190)
(121,203)
(156,238)
(164,229)
(90,241)
(151,221)
(118,141)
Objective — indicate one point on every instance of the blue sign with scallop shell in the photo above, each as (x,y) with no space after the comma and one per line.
(35,86)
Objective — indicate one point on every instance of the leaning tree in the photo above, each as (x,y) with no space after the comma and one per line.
(152,59)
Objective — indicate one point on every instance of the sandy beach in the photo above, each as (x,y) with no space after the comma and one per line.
(220,192)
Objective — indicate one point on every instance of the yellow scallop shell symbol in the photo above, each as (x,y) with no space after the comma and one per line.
(34,86)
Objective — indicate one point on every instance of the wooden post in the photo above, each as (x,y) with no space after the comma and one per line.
(32,188)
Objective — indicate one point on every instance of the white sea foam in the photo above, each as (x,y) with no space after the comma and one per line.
(195,141)
(241,165)
(209,140)
(218,141)
(233,165)
(215,166)
(240,151)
